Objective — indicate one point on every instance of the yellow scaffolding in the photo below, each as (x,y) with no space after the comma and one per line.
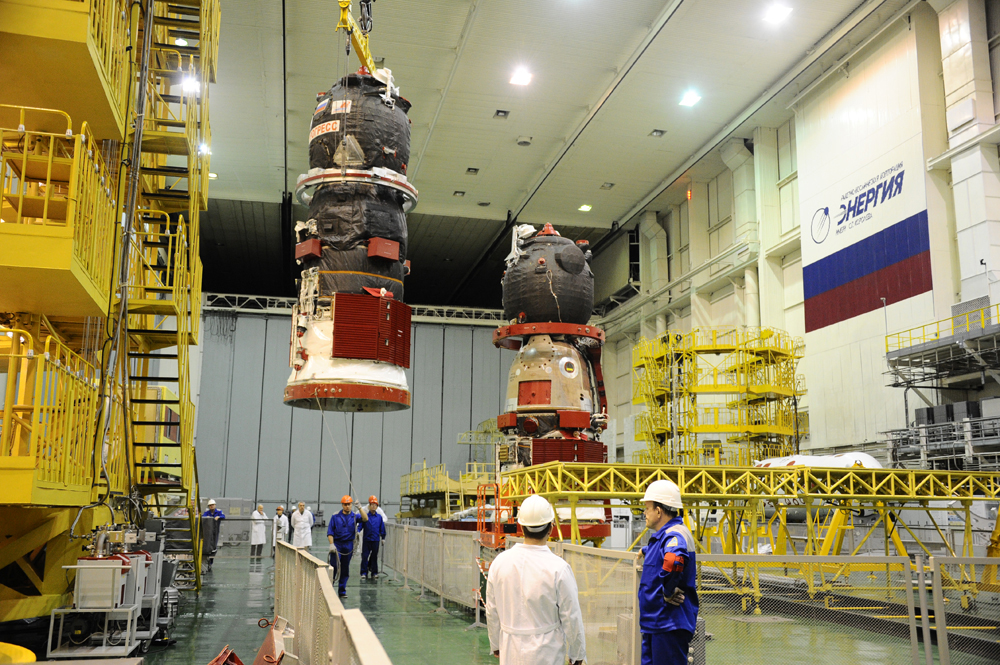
(433,493)
(738,384)
(77,431)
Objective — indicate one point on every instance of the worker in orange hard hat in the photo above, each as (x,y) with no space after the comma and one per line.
(374,534)
(343,529)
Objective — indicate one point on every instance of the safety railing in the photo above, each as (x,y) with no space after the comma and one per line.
(970,323)
(48,403)
(443,561)
(171,125)
(325,632)
(965,613)
(755,606)
(425,480)
(58,182)
(109,35)
(211,14)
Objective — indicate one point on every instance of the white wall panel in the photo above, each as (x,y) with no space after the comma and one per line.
(366,455)
(213,407)
(304,457)
(240,472)
(456,407)
(279,454)
(427,392)
(396,446)
(489,377)
(275,417)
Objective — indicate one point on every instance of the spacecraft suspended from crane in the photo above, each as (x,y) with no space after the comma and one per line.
(556,407)
(350,338)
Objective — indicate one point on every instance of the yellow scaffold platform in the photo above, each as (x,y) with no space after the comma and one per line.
(736,383)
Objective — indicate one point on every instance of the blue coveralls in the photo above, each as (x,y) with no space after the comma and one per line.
(667,629)
(343,527)
(374,531)
(212,513)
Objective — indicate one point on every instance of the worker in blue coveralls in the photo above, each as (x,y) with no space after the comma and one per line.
(374,534)
(211,529)
(668,598)
(341,532)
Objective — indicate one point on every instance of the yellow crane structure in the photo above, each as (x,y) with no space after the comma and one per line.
(105,145)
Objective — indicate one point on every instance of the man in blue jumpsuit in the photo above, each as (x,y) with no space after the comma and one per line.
(668,600)
(215,515)
(374,533)
(341,532)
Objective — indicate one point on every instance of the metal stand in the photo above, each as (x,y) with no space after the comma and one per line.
(475,600)
(107,649)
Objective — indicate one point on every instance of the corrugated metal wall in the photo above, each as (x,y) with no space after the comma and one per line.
(250,445)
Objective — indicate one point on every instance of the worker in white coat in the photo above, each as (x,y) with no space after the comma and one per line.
(279,528)
(258,531)
(532,609)
(302,524)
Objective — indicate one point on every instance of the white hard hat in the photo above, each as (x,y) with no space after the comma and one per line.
(211,502)
(535,511)
(665,492)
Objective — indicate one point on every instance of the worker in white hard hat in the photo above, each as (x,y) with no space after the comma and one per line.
(668,600)
(211,530)
(532,608)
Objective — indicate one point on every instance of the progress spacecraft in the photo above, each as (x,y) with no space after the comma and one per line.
(350,338)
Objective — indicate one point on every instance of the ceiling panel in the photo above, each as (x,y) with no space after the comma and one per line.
(453,59)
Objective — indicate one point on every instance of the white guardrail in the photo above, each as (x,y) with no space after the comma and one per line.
(839,601)
(324,632)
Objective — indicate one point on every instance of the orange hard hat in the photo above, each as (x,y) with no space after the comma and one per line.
(346,499)
(373,499)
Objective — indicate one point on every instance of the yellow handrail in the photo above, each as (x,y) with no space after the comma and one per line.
(109,34)
(54,180)
(49,409)
(970,322)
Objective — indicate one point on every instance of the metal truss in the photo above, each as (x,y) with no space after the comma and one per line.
(233,302)
(563,481)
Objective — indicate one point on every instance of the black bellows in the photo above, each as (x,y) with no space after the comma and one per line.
(354,129)
(552,282)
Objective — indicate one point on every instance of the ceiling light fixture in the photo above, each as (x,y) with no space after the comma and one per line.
(458,193)
(657,133)
(690,98)
(472,171)
(181,41)
(521,76)
(584,208)
(776,13)
(607,185)
(213,176)
(501,114)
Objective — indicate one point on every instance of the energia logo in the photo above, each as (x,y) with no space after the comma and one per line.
(857,204)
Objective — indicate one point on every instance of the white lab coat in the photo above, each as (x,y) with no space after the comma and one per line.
(302,524)
(279,528)
(258,528)
(532,608)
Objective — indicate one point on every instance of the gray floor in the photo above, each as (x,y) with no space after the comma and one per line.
(237,593)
